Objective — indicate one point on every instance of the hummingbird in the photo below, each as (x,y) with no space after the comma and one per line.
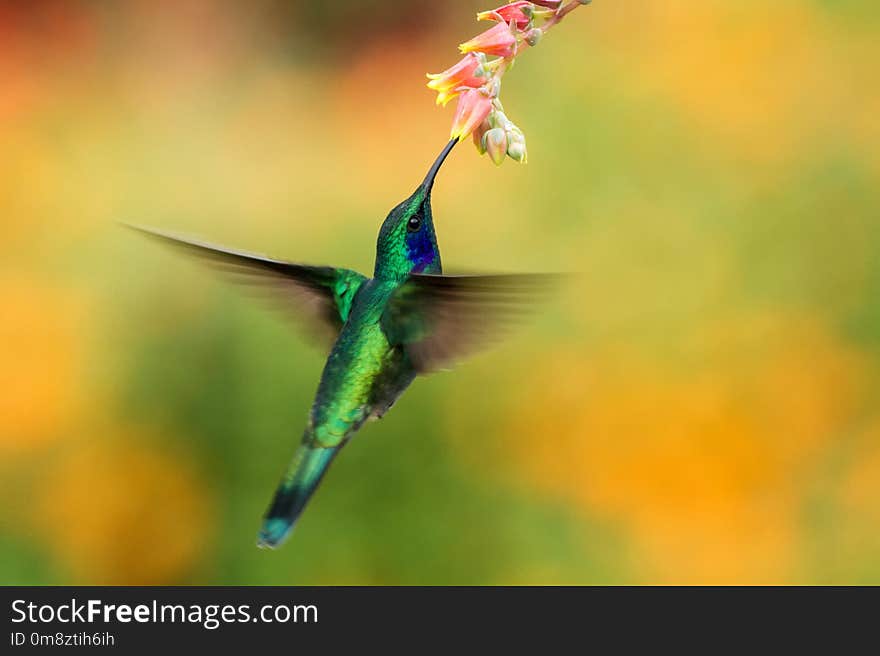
(408,319)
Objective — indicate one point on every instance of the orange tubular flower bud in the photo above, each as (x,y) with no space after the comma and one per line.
(498,40)
(447,83)
(519,13)
(473,108)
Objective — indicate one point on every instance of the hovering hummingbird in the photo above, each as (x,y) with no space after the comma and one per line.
(408,319)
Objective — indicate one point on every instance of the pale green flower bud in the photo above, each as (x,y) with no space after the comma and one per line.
(479,136)
(515,133)
(495,143)
(517,152)
(516,146)
(497,119)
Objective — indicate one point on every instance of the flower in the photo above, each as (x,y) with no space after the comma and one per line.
(516,142)
(478,135)
(473,108)
(550,4)
(463,74)
(519,13)
(516,150)
(499,40)
(476,79)
(495,141)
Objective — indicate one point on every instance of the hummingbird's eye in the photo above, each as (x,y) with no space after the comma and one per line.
(414,223)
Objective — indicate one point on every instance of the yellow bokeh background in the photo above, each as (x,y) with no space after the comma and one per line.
(698,405)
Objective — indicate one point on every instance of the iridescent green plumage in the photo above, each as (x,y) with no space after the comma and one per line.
(406,320)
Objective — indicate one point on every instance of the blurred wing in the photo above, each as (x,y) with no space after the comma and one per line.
(440,319)
(320,296)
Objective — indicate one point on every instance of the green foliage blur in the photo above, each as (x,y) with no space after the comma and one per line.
(699,405)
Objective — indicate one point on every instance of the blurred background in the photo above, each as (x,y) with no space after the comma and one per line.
(700,405)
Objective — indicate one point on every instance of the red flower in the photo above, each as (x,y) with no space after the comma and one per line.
(518,13)
(448,83)
(473,108)
(498,40)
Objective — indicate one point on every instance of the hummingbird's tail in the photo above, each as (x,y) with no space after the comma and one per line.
(301,480)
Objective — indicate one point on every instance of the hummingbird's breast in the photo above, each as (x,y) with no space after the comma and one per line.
(361,372)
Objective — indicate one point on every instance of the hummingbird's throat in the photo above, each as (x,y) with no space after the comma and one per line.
(422,252)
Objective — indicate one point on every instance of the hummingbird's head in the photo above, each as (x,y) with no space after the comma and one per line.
(407,242)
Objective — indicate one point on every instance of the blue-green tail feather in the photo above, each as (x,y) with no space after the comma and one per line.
(303,476)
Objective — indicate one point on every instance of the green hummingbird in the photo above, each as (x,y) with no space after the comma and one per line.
(408,319)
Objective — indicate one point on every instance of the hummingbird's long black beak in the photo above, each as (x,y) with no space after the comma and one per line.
(432,172)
